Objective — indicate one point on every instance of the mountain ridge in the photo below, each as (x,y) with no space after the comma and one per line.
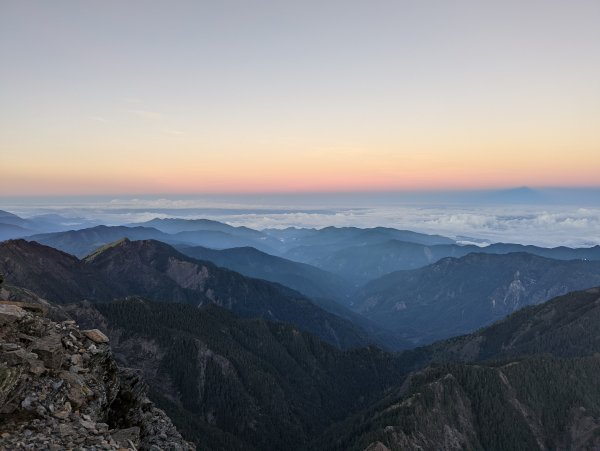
(458,295)
(157,271)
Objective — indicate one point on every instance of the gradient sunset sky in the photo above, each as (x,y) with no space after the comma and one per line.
(102,97)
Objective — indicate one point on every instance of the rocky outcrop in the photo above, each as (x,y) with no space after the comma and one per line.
(60,388)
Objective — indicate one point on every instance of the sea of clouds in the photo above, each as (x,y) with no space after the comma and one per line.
(542,225)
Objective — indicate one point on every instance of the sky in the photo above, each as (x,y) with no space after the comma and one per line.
(144,97)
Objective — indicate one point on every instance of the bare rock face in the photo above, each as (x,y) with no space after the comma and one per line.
(10,314)
(61,389)
(96,336)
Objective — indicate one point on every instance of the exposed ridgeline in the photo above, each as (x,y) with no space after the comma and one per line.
(61,389)
(307,279)
(231,383)
(82,242)
(355,254)
(362,262)
(156,271)
(457,296)
(53,274)
(300,243)
(540,391)
(85,241)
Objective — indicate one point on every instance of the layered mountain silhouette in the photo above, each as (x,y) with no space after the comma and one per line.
(455,296)
(13,226)
(242,363)
(307,279)
(365,262)
(157,271)
(356,255)
(85,241)
(296,244)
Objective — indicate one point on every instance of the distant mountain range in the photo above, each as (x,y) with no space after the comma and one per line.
(352,272)
(13,226)
(455,296)
(300,244)
(354,254)
(363,262)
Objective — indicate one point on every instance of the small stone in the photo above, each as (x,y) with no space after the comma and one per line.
(10,313)
(88,424)
(64,412)
(85,416)
(18,356)
(123,436)
(28,402)
(9,346)
(50,351)
(96,336)
(76,359)
(37,367)
(65,429)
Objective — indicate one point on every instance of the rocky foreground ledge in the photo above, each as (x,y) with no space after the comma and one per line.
(61,389)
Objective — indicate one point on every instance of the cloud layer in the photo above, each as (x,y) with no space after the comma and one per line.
(541,225)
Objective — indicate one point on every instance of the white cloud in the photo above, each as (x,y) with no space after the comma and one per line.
(543,225)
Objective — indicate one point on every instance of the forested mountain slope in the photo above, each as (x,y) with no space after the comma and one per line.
(457,296)
(157,271)
(231,383)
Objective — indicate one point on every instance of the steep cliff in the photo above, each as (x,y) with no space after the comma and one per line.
(60,388)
